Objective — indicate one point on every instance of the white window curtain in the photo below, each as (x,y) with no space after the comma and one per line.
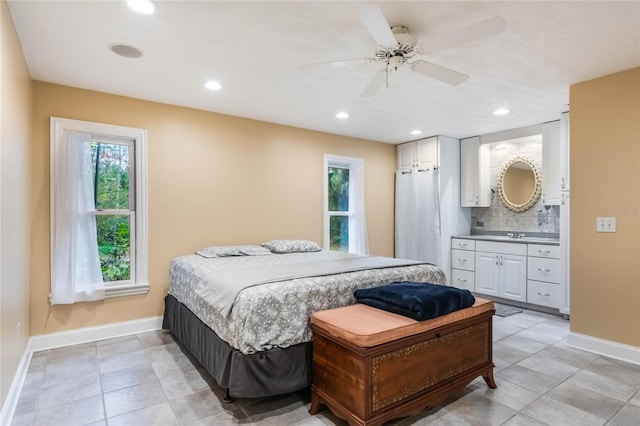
(76,275)
(418,216)
(358,238)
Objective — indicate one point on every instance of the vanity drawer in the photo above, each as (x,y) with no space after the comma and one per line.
(462,244)
(463,259)
(541,269)
(504,248)
(544,294)
(543,250)
(463,279)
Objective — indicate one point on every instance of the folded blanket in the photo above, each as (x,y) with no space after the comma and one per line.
(420,301)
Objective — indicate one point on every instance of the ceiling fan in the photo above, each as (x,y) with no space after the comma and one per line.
(396,47)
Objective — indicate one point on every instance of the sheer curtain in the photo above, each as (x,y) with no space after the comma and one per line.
(76,275)
(418,215)
(358,238)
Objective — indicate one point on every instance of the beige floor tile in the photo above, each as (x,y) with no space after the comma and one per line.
(627,416)
(123,378)
(527,378)
(133,398)
(68,391)
(587,400)
(156,415)
(556,413)
(78,413)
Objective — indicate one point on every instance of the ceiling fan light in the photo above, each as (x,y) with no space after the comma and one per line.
(342,115)
(501,111)
(416,132)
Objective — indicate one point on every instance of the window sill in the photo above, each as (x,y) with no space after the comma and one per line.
(126,290)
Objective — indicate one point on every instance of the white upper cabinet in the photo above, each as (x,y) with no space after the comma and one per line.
(422,154)
(475,190)
(406,155)
(551,164)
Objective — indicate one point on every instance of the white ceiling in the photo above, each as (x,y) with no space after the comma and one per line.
(255,50)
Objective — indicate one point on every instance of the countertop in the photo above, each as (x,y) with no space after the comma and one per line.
(552,241)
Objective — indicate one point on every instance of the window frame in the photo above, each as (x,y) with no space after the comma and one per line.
(338,161)
(139,272)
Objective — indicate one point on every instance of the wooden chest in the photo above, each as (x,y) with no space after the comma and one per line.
(370,366)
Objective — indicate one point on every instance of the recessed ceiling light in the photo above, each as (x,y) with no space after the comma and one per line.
(126,50)
(416,132)
(342,115)
(213,85)
(501,111)
(142,6)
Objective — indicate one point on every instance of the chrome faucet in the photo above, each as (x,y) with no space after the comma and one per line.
(516,236)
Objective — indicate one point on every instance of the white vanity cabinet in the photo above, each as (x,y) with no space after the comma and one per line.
(422,154)
(475,190)
(501,269)
(544,273)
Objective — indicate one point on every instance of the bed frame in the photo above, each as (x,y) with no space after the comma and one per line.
(271,372)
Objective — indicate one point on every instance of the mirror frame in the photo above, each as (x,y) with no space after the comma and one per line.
(518,208)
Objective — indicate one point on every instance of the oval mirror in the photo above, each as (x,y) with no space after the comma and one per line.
(519,184)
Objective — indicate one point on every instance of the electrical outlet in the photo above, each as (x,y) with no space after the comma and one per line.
(605,224)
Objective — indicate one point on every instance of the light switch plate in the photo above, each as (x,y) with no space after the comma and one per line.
(605,224)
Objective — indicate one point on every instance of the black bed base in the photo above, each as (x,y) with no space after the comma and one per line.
(271,372)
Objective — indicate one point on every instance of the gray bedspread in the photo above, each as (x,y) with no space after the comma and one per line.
(276,313)
(224,285)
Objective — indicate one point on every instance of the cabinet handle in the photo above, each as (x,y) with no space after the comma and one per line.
(562,184)
(462,244)
(462,280)
(544,294)
(543,198)
(562,200)
(476,200)
(544,251)
(544,270)
(462,260)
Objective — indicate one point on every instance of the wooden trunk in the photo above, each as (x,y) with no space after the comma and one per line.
(402,376)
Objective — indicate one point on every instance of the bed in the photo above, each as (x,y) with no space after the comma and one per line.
(245,316)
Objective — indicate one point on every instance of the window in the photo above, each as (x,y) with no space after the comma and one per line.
(344,219)
(98,211)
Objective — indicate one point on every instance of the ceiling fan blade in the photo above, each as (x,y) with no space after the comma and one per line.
(377,25)
(337,64)
(376,84)
(472,32)
(439,72)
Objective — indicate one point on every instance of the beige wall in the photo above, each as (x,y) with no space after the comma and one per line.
(213,179)
(605,181)
(15,213)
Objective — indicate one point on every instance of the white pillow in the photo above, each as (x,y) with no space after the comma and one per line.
(291,246)
(226,251)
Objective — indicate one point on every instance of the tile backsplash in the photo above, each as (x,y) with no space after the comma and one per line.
(499,218)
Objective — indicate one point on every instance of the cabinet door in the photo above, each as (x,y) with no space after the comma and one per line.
(487,273)
(427,153)
(551,164)
(513,277)
(565,145)
(469,161)
(475,190)
(406,155)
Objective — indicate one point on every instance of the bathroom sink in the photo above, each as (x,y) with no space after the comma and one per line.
(524,239)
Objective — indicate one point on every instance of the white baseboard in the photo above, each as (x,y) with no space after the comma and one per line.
(93,334)
(66,338)
(10,404)
(627,353)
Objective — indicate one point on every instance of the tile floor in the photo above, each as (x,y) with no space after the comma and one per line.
(146,379)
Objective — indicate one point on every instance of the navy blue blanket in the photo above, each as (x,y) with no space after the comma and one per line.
(420,301)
